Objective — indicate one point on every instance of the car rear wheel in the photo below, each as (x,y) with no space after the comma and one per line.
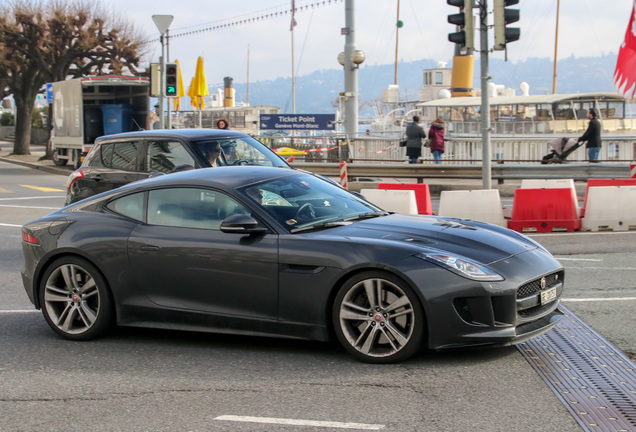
(75,299)
(378,318)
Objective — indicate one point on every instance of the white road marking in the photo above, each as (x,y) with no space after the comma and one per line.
(598,299)
(578,259)
(31,198)
(29,207)
(10,225)
(295,422)
(18,311)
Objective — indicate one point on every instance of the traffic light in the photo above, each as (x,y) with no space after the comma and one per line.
(465,37)
(172,72)
(502,17)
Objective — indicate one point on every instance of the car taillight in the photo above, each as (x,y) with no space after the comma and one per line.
(74,176)
(28,238)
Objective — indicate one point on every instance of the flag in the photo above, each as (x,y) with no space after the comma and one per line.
(625,73)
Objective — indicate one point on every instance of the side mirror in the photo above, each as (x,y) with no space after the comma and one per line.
(241,224)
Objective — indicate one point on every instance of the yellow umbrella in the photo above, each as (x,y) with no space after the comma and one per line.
(199,85)
(180,89)
(194,101)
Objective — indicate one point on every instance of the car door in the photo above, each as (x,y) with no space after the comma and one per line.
(182,260)
(113,165)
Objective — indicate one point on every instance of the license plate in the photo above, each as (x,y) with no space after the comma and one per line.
(548,296)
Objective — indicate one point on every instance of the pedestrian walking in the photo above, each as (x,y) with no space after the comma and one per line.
(593,136)
(436,135)
(222,124)
(414,136)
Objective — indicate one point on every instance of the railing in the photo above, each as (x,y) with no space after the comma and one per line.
(458,150)
(500,172)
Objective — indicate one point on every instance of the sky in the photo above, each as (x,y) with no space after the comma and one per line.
(586,28)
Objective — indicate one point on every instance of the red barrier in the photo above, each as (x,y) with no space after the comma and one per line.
(605,182)
(344,177)
(422,194)
(544,210)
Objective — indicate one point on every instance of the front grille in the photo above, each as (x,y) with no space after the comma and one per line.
(535,286)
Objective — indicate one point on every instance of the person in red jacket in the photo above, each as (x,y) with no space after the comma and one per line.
(436,135)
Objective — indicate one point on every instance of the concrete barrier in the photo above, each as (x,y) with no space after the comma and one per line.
(553,184)
(605,182)
(398,201)
(610,208)
(422,194)
(544,210)
(481,205)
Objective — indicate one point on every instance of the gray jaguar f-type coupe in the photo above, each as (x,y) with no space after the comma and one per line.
(281,252)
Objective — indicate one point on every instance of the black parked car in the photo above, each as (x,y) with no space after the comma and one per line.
(275,251)
(115,160)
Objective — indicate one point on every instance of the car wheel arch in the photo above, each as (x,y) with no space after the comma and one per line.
(46,262)
(345,277)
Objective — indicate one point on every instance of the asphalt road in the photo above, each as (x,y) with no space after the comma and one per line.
(154,380)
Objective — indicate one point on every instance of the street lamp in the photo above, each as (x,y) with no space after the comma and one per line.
(163,24)
(357,58)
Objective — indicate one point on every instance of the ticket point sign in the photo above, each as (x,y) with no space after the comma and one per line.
(297,121)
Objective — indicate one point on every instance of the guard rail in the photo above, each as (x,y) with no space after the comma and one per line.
(500,172)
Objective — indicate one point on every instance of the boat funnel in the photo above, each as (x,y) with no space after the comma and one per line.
(462,79)
(228,99)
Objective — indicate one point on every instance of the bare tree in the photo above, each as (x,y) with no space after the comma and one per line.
(51,41)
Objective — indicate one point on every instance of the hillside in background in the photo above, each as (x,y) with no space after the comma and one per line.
(317,92)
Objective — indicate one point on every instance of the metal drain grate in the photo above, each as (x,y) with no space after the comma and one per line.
(594,380)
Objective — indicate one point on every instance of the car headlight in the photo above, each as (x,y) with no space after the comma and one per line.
(462,266)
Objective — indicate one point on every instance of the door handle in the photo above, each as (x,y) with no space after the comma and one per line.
(149,248)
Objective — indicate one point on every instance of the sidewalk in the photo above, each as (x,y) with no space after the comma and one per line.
(34,160)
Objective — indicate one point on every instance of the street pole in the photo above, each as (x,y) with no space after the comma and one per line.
(163,23)
(162,88)
(168,115)
(485,104)
(351,73)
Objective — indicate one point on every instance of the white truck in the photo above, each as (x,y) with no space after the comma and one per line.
(87,108)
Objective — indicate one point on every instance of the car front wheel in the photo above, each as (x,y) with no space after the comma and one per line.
(75,299)
(378,319)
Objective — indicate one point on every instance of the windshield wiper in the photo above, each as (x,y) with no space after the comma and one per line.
(321,226)
(366,216)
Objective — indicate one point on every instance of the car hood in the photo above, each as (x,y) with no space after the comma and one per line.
(475,240)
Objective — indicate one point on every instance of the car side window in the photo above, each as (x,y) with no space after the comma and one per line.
(191,208)
(129,205)
(167,157)
(121,155)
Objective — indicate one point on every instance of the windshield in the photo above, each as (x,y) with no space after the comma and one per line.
(305,202)
(242,150)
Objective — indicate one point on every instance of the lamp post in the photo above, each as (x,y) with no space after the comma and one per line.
(163,24)
(351,59)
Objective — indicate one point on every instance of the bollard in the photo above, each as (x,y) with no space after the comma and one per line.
(632,169)
(343,175)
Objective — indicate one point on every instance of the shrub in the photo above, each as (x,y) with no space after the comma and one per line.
(7,119)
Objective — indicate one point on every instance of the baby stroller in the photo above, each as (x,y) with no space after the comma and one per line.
(561,149)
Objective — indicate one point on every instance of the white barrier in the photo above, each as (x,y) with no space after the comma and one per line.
(553,184)
(610,207)
(398,201)
(481,205)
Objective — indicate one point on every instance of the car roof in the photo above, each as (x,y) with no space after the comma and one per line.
(191,134)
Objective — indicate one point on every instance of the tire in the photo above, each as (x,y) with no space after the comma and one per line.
(377,318)
(75,299)
(56,159)
(77,154)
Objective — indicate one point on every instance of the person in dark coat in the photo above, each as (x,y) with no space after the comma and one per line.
(414,136)
(593,136)
(436,135)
